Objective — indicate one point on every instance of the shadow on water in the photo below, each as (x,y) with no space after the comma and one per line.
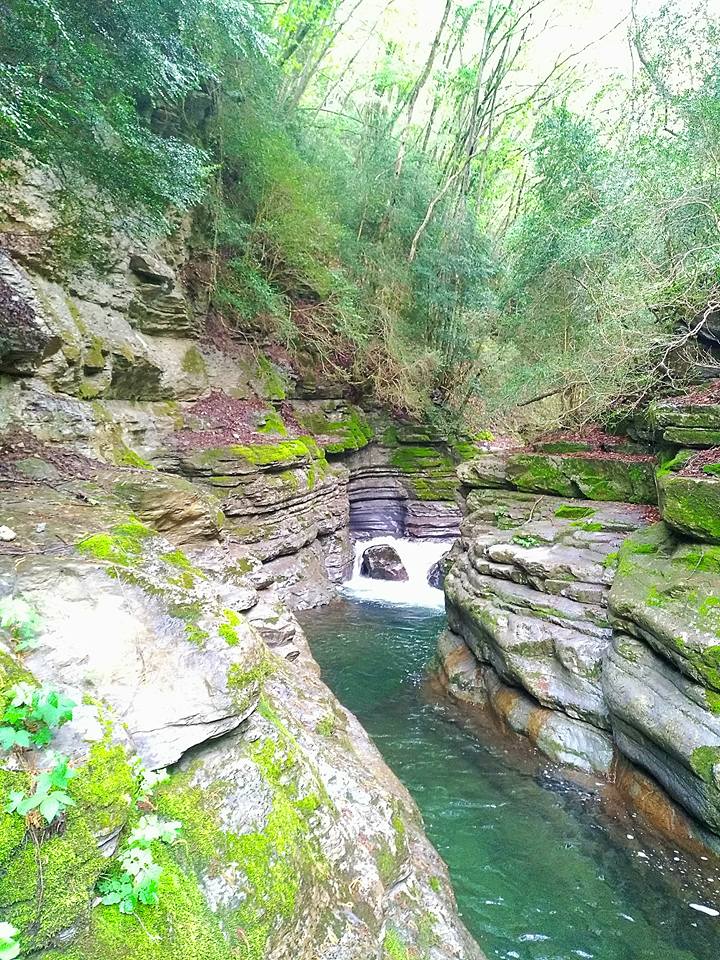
(543,868)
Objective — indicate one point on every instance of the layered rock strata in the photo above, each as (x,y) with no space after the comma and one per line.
(169,491)
(590,627)
(296,840)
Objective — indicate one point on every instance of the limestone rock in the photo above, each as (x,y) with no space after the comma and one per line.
(382,562)
(597,476)
(663,722)
(527,595)
(666,591)
(439,570)
(25,336)
(691,505)
(158,306)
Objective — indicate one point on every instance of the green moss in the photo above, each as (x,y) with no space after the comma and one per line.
(701,558)
(713,701)
(394,947)
(589,527)
(527,541)
(464,450)
(47,886)
(280,864)
(179,927)
(273,382)
(125,457)
(597,478)
(228,629)
(411,459)
(264,454)
(193,362)
(95,351)
(390,437)
(703,760)
(190,613)
(326,725)
(676,463)
(643,543)
(245,683)
(611,560)
(122,547)
(436,884)
(272,422)
(571,512)
(692,504)
(348,428)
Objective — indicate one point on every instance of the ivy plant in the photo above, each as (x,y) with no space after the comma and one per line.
(32,716)
(9,947)
(19,622)
(49,798)
(137,879)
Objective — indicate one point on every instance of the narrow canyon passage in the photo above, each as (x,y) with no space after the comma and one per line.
(543,868)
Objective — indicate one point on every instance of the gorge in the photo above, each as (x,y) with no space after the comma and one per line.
(359,480)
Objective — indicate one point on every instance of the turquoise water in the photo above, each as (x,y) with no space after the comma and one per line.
(541,869)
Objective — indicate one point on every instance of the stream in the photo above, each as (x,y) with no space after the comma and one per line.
(544,866)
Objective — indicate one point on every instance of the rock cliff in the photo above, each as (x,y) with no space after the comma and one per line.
(169,494)
(586,618)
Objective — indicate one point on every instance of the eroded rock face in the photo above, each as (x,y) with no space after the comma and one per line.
(439,571)
(296,838)
(590,628)
(527,595)
(166,500)
(661,681)
(25,337)
(403,489)
(382,562)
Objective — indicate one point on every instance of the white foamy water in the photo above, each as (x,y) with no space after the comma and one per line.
(417,557)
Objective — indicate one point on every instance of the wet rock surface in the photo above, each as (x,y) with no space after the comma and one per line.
(382,562)
(590,627)
(171,495)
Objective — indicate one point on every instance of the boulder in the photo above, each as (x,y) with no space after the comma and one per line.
(382,562)
(691,505)
(629,478)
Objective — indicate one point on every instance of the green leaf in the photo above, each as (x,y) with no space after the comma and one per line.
(10,738)
(15,799)
(50,807)
(42,737)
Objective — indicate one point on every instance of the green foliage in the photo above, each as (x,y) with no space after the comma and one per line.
(614,250)
(9,947)
(32,716)
(19,622)
(135,880)
(569,511)
(83,86)
(49,798)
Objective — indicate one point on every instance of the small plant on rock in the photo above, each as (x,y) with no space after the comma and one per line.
(147,780)
(32,716)
(137,879)
(19,622)
(9,947)
(49,797)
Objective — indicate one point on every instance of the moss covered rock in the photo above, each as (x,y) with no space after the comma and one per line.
(669,590)
(691,505)
(628,479)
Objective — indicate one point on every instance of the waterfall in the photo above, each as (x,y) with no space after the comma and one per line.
(417,557)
